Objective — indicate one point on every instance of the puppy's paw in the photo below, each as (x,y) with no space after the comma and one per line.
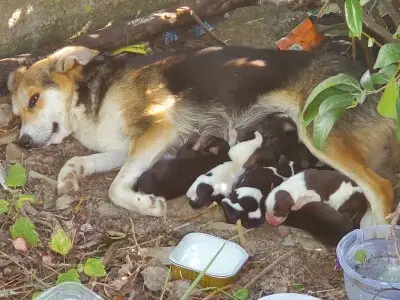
(158,205)
(68,178)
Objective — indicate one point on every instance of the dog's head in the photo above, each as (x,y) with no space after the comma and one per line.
(43,93)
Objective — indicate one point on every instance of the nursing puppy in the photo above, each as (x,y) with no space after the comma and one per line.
(246,201)
(324,186)
(217,183)
(131,109)
(171,178)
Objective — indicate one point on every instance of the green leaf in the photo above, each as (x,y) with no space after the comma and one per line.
(378,78)
(361,97)
(201,274)
(16,176)
(36,294)
(69,276)
(396,35)
(371,42)
(354,17)
(94,268)
(398,119)
(360,256)
(336,101)
(363,2)
(241,294)
(323,125)
(3,206)
(25,229)
(389,70)
(388,54)
(366,81)
(87,8)
(22,199)
(60,242)
(298,287)
(138,48)
(387,104)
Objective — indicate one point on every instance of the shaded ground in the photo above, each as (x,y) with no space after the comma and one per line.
(95,223)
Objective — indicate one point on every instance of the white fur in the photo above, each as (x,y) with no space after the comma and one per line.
(235,206)
(246,192)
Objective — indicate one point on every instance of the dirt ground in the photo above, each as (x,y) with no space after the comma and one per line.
(95,224)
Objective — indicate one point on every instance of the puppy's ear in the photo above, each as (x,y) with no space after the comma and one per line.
(68,57)
(14,78)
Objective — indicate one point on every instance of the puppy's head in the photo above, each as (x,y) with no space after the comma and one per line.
(43,93)
(277,207)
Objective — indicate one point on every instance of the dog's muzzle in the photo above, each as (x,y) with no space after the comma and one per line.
(25,141)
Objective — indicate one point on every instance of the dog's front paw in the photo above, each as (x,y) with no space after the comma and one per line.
(68,178)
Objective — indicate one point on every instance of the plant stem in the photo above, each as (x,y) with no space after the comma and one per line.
(370,37)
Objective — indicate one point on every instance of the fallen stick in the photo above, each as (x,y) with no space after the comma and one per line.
(269,268)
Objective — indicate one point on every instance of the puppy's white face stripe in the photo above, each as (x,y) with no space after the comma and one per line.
(235,206)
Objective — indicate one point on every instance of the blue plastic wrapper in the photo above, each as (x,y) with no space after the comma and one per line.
(198,30)
(170,37)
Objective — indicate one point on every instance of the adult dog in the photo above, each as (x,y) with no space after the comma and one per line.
(132,109)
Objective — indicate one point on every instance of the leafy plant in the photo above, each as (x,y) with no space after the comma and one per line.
(60,242)
(16,176)
(94,268)
(36,294)
(241,294)
(69,276)
(24,228)
(330,99)
(298,287)
(22,199)
(3,206)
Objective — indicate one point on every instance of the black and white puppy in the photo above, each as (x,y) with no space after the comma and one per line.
(217,183)
(323,186)
(246,201)
(171,178)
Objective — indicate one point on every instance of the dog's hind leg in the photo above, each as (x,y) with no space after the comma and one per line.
(346,156)
(143,153)
(82,166)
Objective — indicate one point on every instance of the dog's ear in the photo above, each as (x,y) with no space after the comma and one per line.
(14,78)
(69,57)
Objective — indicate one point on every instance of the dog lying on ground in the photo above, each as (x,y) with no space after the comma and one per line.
(132,109)
(329,187)
(171,178)
(217,183)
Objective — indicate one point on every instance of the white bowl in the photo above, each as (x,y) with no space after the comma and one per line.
(289,296)
(196,250)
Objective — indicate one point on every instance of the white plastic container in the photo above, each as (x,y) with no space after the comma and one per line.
(361,280)
(69,291)
(194,252)
(289,296)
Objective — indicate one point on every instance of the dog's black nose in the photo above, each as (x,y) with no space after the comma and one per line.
(25,141)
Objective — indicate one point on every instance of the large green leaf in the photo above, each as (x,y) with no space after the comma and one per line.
(387,104)
(24,228)
(60,242)
(94,267)
(69,276)
(336,101)
(323,125)
(354,17)
(16,176)
(388,54)
(366,81)
(398,119)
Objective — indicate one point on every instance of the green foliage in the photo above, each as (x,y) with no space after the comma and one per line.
(60,242)
(24,228)
(69,276)
(36,294)
(360,256)
(241,294)
(387,104)
(298,287)
(388,54)
(354,17)
(3,206)
(16,176)
(396,35)
(94,268)
(22,199)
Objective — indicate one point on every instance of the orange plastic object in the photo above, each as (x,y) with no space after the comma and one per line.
(303,37)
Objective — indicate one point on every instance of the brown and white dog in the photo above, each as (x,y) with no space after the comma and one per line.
(131,109)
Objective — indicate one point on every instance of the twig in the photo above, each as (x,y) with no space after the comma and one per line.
(319,14)
(211,295)
(269,268)
(242,239)
(134,235)
(188,218)
(165,284)
(201,23)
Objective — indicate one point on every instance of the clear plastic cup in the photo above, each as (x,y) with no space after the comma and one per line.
(379,276)
(69,291)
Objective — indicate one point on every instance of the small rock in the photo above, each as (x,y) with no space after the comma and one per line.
(159,253)
(85,228)
(177,289)
(47,260)
(49,161)
(64,202)
(279,287)
(125,269)
(6,115)
(154,278)
(20,245)
(118,283)
(107,209)
(7,271)
(14,153)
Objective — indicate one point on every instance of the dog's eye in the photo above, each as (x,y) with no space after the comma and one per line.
(33,100)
